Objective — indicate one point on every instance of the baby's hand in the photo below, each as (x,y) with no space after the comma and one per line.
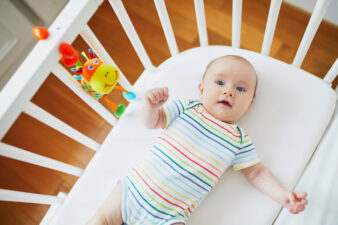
(294,201)
(156,97)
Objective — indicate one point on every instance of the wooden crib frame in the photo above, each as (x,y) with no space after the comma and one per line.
(72,21)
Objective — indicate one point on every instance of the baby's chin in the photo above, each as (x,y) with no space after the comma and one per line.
(223,115)
(227,119)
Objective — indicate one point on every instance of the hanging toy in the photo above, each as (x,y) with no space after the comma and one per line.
(96,77)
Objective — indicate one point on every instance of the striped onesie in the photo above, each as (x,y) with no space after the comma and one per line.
(184,165)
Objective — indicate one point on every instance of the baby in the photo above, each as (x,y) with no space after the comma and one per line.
(199,142)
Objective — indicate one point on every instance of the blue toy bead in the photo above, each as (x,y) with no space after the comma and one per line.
(129,95)
(77,77)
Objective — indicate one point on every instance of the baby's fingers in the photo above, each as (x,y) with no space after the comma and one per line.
(156,97)
(298,206)
(300,194)
(303,202)
(290,198)
(151,97)
(165,93)
(297,209)
(161,95)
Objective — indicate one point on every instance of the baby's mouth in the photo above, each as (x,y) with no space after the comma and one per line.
(225,103)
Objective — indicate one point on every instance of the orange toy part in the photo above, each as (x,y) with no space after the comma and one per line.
(69,55)
(111,104)
(40,33)
(89,68)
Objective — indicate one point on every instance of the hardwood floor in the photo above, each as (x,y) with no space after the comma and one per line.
(56,98)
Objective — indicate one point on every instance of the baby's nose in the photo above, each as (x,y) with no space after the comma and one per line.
(229,91)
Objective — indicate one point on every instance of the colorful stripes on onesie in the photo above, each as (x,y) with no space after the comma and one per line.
(185,163)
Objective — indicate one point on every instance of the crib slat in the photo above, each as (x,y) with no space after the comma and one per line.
(19,196)
(131,33)
(61,73)
(201,24)
(166,25)
(332,73)
(236,23)
(48,217)
(88,35)
(48,119)
(39,160)
(316,18)
(271,25)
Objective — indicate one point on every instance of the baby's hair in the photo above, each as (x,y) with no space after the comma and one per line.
(235,57)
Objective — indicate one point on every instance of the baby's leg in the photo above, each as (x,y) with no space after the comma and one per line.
(110,211)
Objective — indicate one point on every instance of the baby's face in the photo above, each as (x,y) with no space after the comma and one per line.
(227,89)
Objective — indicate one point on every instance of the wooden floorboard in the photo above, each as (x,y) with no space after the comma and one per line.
(57,99)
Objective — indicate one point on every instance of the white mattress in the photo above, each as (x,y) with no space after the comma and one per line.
(291,111)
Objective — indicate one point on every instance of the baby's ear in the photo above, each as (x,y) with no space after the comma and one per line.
(252,101)
(200,88)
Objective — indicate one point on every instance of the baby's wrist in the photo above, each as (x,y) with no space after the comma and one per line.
(283,197)
(152,107)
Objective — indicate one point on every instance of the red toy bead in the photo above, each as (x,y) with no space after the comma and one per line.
(40,33)
(69,55)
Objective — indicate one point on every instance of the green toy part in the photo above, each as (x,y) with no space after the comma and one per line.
(120,110)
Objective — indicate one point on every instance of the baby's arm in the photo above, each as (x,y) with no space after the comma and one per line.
(265,181)
(152,112)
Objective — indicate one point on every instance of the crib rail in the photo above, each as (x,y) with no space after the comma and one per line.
(16,96)
(39,57)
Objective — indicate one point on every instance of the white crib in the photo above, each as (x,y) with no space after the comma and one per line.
(302,146)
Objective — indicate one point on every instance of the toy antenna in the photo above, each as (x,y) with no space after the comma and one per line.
(84,54)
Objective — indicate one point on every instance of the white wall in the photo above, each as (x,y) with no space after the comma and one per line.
(331,14)
(17,18)
(47,10)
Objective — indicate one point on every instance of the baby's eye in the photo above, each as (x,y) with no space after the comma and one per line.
(240,89)
(219,82)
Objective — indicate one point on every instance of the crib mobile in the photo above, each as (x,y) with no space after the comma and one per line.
(96,77)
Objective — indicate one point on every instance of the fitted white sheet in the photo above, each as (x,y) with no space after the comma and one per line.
(321,181)
(291,111)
